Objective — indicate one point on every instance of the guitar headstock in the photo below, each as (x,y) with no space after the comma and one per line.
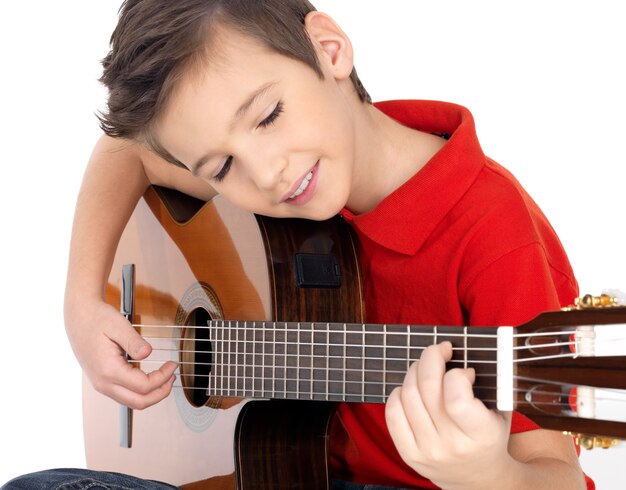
(570,369)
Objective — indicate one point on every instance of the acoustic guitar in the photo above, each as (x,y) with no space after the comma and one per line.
(243,304)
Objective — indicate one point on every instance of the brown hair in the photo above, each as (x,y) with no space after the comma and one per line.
(155,41)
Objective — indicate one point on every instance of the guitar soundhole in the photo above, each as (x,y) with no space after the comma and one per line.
(196,357)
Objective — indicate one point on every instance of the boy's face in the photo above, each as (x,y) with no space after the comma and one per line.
(263,130)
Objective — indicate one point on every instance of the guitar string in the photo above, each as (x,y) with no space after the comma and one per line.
(259,327)
(264,330)
(358,397)
(270,366)
(236,378)
(375,328)
(366,358)
(303,394)
(321,396)
(227,368)
(357,329)
(328,344)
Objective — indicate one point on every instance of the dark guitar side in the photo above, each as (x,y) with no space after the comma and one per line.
(283,443)
(278,443)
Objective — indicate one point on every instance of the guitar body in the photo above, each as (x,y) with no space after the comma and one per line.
(297,339)
(196,262)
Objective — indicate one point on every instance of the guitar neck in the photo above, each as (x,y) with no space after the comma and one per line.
(335,361)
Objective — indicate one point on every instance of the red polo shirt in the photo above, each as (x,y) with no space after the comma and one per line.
(460,243)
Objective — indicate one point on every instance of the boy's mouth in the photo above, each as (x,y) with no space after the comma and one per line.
(304,190)
(303,185)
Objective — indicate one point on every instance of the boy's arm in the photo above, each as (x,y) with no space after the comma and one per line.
(117,175)
(450,437)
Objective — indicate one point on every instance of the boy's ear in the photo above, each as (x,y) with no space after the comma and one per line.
(333,47)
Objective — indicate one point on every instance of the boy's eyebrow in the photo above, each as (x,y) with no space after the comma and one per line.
(241,112)
(251,100)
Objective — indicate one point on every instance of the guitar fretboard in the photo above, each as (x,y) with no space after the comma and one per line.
(335,361)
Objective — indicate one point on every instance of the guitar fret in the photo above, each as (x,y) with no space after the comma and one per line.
(395,357)
(408,347)
(253,390)
(306,360)
(258,359)
(285,362)
(327,360)
(231,352)
(244,384)
(374,362)
(319,360)
(238,378)
(225,358)
(244,357)
(274,363)
(211,372)
(232,359)
(336,360)
(217,364)
(363,363)
(298,362)
(384,383)
(465,347)
(312,364)
(251,375)
(279,361)
(345,333)
(222,366)
(263,364)
(224,370)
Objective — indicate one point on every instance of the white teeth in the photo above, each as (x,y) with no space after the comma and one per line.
(303,185)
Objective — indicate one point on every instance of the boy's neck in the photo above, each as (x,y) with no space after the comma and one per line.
(388,154)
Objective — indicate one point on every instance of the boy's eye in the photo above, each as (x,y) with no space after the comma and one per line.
(272,117)
(224,170)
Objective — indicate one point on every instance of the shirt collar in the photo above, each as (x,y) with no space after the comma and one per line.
(403,220)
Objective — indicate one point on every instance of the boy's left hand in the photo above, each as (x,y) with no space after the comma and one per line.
(442,431)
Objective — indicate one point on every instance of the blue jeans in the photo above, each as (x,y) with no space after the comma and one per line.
(79,479)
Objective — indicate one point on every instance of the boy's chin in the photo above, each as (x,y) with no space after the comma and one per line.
(327,213)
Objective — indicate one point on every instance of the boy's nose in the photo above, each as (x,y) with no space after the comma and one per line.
(268,172)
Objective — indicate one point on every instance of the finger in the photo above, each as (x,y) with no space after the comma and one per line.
(420,422)
(138,381)
(467,412)
(114,369)
(400,429)
(431,372)
(124,335)
(140,401)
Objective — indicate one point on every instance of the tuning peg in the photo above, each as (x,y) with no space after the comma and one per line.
(617,295)
(605,300)
(592,442)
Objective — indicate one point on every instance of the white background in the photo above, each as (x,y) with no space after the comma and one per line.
(545,81)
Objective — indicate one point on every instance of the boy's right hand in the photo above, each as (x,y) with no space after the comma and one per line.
(100,336)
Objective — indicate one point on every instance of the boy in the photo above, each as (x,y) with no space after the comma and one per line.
(234,96)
